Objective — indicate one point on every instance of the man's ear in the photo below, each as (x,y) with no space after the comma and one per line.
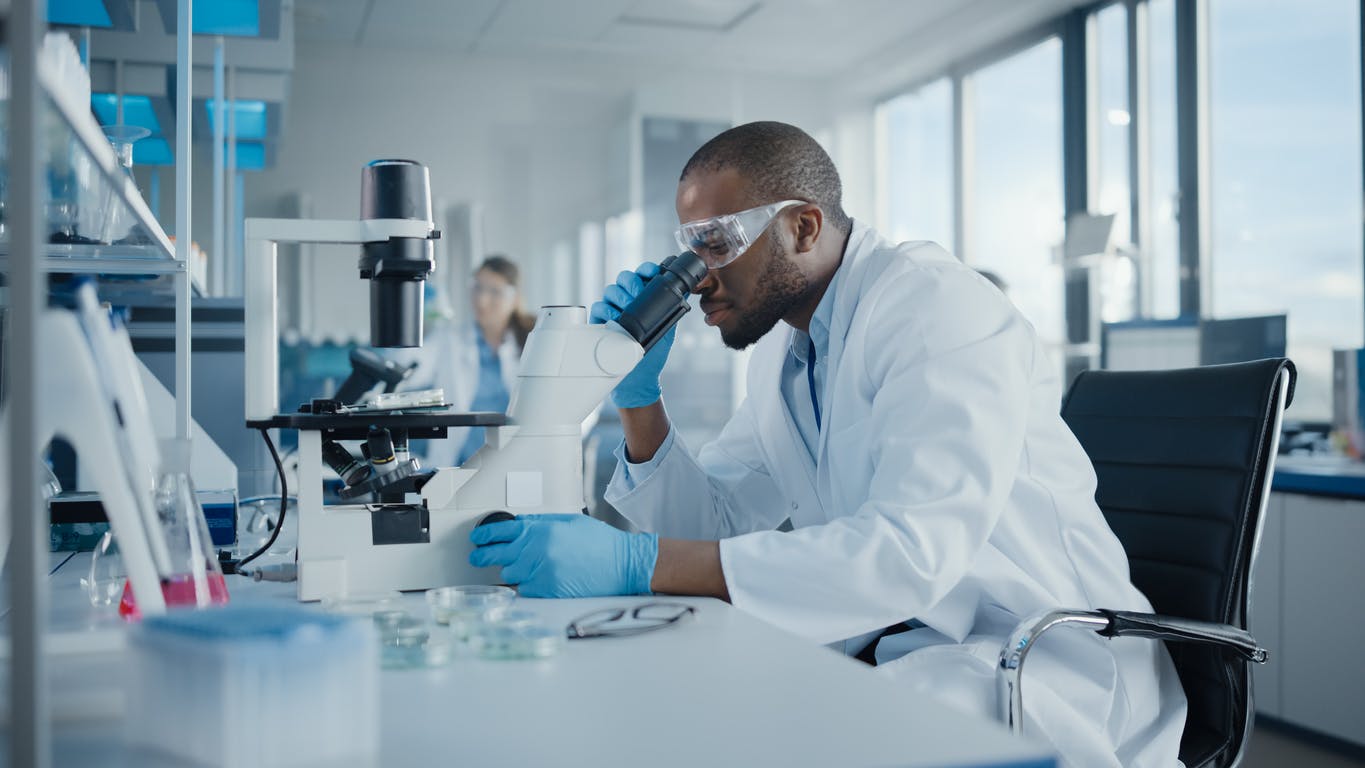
(810,221)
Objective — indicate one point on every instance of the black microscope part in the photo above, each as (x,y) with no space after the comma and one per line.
(380,445)
(495,517)
(369,368)
(663,301)
(397,267)
(350,469)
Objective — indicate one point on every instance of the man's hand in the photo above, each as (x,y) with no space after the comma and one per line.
(566,556)
(640,387)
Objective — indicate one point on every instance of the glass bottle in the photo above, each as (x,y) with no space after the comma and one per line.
(193,578)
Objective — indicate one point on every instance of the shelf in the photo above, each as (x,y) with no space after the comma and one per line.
(97,259)
(98,183)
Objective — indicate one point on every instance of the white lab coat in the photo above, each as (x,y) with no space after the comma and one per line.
(449,358)
(947,489)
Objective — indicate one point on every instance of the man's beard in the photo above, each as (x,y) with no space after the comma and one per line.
(783,287)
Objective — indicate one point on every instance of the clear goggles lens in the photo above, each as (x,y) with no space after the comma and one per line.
(722,239)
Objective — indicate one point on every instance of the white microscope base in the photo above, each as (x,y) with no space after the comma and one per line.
(342,560)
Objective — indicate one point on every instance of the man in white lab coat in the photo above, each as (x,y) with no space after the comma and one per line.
(903,416)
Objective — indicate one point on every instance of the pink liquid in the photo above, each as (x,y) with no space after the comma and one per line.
(178,591)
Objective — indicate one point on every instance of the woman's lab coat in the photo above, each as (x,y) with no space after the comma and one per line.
(947,489)
(449,358)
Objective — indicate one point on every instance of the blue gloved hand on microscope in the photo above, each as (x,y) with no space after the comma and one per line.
(566,556)
(640,387)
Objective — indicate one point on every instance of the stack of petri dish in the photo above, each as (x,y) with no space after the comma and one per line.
(482,618)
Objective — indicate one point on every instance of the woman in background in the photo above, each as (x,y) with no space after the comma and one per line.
(475,362)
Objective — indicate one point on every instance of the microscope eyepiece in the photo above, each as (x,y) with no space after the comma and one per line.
(663,301)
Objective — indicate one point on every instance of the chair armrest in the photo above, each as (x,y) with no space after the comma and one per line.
(1108,623)
(1171,628)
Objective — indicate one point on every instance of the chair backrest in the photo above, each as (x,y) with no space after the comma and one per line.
(1184,459)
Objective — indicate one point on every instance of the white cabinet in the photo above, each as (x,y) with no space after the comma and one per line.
(1309,609)
(1264,619)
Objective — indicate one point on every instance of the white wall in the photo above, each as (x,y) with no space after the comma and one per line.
(539,142)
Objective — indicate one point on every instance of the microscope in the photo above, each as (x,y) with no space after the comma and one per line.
(416,534)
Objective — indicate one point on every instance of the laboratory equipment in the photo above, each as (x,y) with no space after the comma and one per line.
(512,642)
(105,579)
(193,577)
(368,368)
(112,217)
(259,685)
(532,461)
(464,608)
(95,401)
(407,642)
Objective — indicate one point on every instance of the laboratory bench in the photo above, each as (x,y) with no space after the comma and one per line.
(1333,476)
(718,688)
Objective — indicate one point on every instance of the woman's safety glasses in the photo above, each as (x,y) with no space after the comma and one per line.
(617,622)
(720,240)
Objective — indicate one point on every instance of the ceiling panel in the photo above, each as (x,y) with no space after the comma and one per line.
(428,23)
(808,37)
(555,25)
(332,21)
(717,15)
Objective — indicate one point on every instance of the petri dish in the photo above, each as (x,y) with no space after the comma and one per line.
(363,605)
(409,643)
(462,608)
(518,642)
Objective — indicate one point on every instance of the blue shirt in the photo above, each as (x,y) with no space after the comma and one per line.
(491,395)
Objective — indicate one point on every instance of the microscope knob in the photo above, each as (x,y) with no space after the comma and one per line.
(496,517)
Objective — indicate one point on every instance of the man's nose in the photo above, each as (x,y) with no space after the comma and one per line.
(706,284)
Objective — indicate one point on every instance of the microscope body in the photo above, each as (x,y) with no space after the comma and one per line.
(531,465)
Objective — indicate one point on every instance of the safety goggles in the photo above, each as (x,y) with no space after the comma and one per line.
(720,240)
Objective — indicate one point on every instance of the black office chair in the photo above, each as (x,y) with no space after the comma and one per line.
(1184,460)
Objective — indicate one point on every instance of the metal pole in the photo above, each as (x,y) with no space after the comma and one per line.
(118,92)
(154,193)
(30,741)
(232,213)
(219,252)
(184,113)
(1140,153)
(1191,96)
(962,166)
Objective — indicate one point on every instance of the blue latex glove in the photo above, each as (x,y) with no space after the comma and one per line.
(640,387)
(566,556)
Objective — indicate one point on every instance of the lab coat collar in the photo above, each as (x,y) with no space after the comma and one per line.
(819,323)
(862,240)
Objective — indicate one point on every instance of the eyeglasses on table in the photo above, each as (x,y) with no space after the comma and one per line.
(622,622)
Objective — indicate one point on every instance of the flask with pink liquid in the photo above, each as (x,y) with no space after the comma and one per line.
(193,579)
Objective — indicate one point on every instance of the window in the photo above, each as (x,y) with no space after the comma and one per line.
(915,142)
(1111,119)
(1015,180)
(1159,240)
(1285,143)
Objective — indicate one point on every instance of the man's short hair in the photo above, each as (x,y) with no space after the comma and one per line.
(780,162)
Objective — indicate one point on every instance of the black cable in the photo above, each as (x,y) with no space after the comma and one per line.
(284,504)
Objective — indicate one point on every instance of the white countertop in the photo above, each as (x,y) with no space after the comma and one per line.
(720,688)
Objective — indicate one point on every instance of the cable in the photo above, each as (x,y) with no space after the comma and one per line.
(284,504)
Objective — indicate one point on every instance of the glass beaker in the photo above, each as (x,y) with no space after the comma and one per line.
(106,578)
(192,577)
(115,218)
